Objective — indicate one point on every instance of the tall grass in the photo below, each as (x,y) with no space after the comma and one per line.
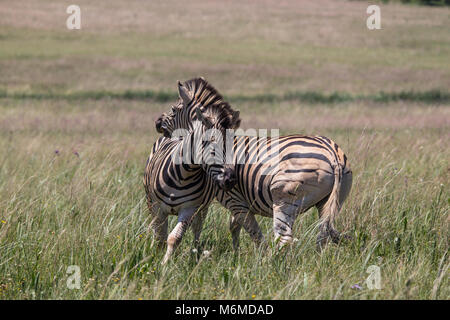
(75,197)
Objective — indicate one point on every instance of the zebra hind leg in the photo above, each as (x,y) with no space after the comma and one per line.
(184,220)
(283,221)
(327,214)
(326,229)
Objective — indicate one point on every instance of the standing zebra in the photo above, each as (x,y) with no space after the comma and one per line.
(185,188)
(277,177)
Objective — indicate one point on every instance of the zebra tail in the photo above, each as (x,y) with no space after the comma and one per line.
(332,206)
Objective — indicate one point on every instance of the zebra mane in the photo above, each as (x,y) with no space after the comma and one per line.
(205,97)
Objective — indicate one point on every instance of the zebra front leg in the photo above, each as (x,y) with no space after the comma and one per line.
(184,220)
(283,220)
(159,226)
(197,224)
(235,229)
(246,219)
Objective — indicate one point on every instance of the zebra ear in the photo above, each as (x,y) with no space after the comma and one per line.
(184,94)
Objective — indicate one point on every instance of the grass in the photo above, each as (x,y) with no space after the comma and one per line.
(77,115)
(62,209)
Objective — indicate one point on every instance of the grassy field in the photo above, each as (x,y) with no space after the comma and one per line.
(77,111)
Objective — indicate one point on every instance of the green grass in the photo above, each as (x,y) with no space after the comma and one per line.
(77,113)
(61,209)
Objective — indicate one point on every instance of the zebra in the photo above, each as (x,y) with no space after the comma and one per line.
(277,177)
(176,183)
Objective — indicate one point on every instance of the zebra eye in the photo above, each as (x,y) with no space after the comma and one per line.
(213,139)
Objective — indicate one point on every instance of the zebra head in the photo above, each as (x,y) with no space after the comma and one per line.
(202,111)
(214,125)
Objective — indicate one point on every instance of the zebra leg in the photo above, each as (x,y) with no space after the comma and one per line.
(235,229)
(329,208)
(158,223)
(252,227)
(283,220)
(326,229)
(159,226)
(197,224)
(246,219)
(184,220)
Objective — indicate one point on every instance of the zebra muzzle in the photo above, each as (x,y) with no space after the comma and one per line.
(227,179)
